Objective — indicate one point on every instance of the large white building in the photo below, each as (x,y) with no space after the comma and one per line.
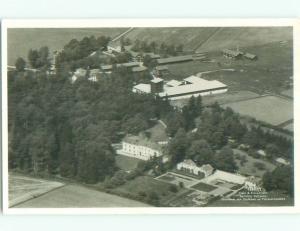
(191,86)
(139,147)
(191,167)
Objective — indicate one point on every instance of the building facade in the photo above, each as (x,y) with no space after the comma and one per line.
(137,147)
(191,167)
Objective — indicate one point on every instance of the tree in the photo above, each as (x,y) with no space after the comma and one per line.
(20,64)
(272,150)
(200,152)
(224,160)
(33,56)
(281,178)
(178,146)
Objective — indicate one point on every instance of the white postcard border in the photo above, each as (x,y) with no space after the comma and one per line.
(92,23)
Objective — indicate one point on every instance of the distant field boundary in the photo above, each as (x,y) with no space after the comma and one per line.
(31,196)
(208,38)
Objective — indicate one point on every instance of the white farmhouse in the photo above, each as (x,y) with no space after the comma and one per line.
(191,167)
(139,147)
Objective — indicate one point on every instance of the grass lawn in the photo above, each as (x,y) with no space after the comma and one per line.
(126,163)
(146,184)
(271,109)
(248,168)
(204,187)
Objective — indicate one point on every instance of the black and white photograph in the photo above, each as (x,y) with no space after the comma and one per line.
(148,116)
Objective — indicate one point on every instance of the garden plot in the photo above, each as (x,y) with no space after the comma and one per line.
(175,178)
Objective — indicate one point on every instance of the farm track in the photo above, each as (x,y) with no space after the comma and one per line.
(282,125)
(209,37)
(122,34)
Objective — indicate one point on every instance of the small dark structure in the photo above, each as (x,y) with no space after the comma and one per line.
(250,56)
(157,85)
(232,54)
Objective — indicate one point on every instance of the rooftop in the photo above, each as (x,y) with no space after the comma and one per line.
(197,85)
(232,52)
(156,80)
(139,68)
(130,64)
(189,162)
(143,87)
(173,83)
(161,68)
(250,56)
(142,141)
(175,59)
(207,168)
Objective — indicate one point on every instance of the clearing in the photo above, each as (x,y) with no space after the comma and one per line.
(270,109)
(126,163)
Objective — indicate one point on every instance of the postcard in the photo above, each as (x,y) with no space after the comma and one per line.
(150,116)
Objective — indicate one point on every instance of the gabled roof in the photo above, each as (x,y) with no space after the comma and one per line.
(232,52)
(173,83)
(250,56)
(207,168)
(197,85)
(156,80)
(143,87)
(175,59)
(189,162)
(141,141)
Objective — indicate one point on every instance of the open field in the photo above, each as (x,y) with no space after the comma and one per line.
(180,71)
(228,97)
(212,38)
(76,196)
(248,167)
(231,37)
(23,188)
(191,38)
(126,163)
(270,109)
(21,40)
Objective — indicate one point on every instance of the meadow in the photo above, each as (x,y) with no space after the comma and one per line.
(76,196)
(270,109)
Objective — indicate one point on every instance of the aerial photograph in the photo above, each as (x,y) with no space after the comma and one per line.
(150,117)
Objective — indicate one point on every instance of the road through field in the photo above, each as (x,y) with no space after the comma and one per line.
(77,196)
